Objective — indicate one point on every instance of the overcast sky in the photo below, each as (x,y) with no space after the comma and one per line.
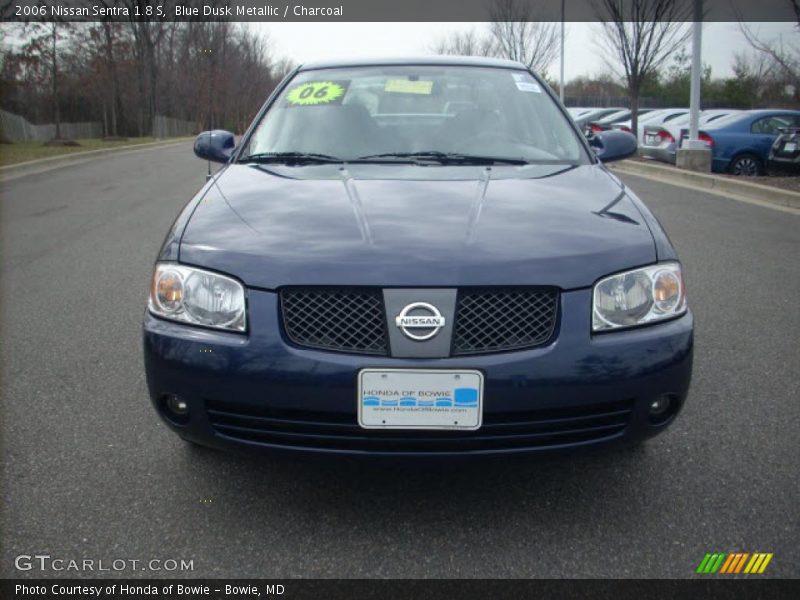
(305,42)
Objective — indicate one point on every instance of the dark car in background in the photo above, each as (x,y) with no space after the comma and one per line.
(416,258)
(740,143)
(784,156)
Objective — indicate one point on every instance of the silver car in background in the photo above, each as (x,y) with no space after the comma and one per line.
(656,117)
(661,141)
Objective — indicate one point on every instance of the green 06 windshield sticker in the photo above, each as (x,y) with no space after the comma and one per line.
(317,92)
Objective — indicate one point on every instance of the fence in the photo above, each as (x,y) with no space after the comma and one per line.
(18,129)
(644,102)
(168,127)
(604,101)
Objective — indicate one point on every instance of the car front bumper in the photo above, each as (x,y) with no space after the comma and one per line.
(784,165)
(259,391)
(665,154)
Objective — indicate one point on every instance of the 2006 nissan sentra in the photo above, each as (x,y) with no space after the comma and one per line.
(416,257)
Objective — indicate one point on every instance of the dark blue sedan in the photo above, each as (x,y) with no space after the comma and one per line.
(740,143)
(416,258)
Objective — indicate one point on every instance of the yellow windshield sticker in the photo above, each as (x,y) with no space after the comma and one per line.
(316,92)
(406,86)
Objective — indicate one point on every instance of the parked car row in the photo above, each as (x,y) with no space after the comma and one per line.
(658,116)
(661,141)
(742,142)
(584,116)
(616,120)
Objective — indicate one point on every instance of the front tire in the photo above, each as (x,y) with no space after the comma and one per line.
(746,165)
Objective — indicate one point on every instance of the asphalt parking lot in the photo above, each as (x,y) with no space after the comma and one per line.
(88,470)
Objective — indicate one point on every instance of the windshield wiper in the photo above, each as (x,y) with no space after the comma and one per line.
(290,158)
(447,158)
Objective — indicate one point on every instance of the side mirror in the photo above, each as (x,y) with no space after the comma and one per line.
(613,145)
(216,145)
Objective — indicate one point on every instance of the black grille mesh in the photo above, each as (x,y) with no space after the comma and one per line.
(353,319)
(498,320)
(348,320)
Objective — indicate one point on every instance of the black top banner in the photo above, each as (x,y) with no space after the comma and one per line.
(384,10)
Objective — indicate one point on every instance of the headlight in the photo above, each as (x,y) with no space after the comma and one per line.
(197,297)
(638,297)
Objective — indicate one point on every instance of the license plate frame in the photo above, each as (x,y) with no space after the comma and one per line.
(430,389)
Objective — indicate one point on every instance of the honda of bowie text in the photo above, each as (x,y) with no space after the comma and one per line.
(416,258)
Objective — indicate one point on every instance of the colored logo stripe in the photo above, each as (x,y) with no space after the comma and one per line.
(734,563)
(758,563)
(711,563)
(727,565)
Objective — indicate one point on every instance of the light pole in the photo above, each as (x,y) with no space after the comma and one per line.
(692,153)
(697,65)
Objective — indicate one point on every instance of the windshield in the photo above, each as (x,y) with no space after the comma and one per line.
(707,117)
(725,121)
(395,111)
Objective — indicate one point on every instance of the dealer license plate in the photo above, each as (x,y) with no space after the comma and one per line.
(420,399)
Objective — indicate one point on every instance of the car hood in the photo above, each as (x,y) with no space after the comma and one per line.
(409,225)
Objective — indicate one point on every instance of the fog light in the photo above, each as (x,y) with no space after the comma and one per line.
(662,409)
(176,405)
(659,406)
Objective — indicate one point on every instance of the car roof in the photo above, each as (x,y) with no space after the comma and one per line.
(745,116)
(461,61)
(770,111)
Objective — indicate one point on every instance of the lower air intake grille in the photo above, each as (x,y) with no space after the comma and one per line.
(542,428)
(495,320)
(348,320)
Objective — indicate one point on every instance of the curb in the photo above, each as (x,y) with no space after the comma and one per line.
(723,186)
(42,165)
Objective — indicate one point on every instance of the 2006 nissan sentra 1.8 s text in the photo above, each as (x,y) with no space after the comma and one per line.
(419,258)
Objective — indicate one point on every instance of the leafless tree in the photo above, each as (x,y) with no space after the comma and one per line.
(147,28)
(755,75)
(639,36)
(514,33)
(282,67)
(517,34)
(783,55)
(44,46)
(465,43)
(101,45)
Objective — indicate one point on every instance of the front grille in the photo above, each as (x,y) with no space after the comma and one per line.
(495,320)
(543,428)
(354,320)
(348,320)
